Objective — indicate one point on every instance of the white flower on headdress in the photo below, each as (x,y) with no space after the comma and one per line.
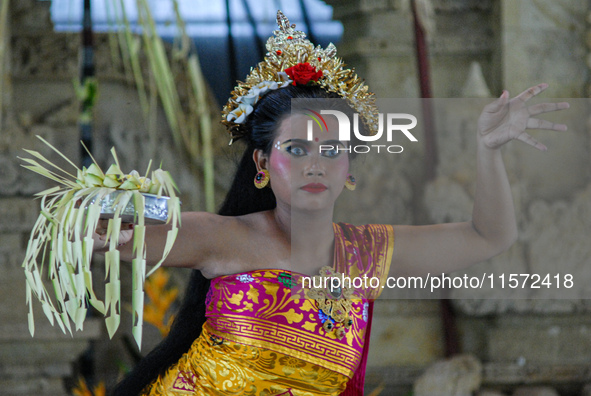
(285,80)
(265,86)
(251,97)
(239,115)
(246,102)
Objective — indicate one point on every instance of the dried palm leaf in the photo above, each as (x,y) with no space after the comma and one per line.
(61,244)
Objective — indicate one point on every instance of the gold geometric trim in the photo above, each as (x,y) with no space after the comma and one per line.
(312,348)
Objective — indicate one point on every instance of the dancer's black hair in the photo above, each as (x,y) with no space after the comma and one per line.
(242,198)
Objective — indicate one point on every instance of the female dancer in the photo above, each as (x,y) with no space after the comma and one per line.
(257,339)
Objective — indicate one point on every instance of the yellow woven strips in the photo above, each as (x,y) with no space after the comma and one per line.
(113,294)
(61,243)
(44,171)
(30,317)
(171,235)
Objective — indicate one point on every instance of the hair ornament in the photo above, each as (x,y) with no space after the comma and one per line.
(293,59)
(245,103)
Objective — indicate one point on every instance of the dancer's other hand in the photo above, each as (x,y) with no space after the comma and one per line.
(506,119)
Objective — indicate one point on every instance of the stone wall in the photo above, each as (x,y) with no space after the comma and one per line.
(27,365)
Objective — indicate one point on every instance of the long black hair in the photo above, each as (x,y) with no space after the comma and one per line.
(242,198)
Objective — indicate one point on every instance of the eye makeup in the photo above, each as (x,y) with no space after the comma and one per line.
(307,145)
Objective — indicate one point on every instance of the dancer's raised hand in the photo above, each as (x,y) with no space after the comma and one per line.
(506,119)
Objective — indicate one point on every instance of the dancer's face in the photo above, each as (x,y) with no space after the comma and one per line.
(308,174)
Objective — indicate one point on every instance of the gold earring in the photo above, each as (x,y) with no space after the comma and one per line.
(350,182)
(261,179)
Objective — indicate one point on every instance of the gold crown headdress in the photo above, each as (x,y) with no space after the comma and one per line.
(293,59)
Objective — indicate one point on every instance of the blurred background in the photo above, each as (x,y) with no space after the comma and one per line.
(149,77)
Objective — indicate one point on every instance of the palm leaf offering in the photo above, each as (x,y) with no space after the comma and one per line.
(61,244)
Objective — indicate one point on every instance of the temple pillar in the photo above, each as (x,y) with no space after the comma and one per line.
(379,42)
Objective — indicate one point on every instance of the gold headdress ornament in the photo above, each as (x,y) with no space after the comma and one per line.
(293,59)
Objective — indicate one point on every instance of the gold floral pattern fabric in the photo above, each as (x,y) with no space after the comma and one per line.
(262,311)
(364,252)
(263,337)
(212,367)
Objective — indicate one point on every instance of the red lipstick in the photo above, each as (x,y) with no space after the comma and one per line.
(314,187)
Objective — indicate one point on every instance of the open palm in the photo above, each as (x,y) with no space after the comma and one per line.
(506,119)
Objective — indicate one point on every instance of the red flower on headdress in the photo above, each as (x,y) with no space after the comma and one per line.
(303,73)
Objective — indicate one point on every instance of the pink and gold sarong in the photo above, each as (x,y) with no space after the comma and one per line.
(263,337)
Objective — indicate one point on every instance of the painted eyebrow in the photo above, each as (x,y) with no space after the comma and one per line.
(290,141)
(307,142)
(302,141)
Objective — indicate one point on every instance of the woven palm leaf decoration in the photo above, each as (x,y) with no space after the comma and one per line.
(60,246)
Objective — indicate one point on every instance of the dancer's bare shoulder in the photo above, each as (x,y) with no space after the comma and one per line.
(221,245)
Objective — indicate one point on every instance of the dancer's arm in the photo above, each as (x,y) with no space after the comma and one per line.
(197,237)
(492,230)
